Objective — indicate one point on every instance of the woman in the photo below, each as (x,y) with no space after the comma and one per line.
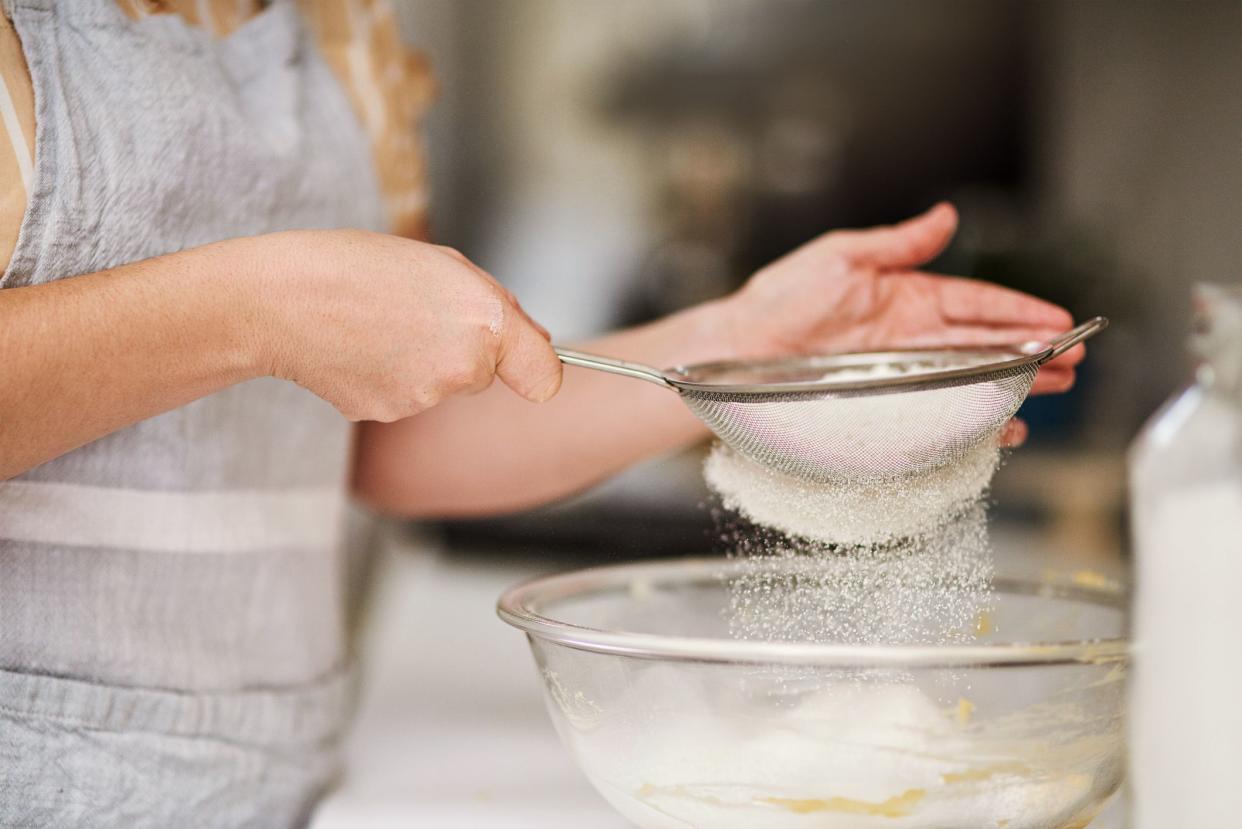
(171,641)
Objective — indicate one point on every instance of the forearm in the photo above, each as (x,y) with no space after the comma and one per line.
(89,355)
(844,291)
(493,452)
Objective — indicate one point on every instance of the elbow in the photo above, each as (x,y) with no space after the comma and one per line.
(387,499)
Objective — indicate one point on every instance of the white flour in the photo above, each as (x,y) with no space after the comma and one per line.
(860,513)
(872,561)
(926,589)
(869,562)
(852,756)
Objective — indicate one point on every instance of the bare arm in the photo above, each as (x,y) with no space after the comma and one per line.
(380,327)
(493,453)
(83,357)
(849,290)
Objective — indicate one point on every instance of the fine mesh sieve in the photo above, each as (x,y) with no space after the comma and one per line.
(866,416)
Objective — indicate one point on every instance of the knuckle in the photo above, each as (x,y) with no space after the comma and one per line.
(424,398)
(452,253)
(384,406)
(489,323)
(457,379)
(485,369)
(387,414)
(353,410)
(471,374)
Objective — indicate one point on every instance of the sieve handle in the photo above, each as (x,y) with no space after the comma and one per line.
(1074,336)
(594,361)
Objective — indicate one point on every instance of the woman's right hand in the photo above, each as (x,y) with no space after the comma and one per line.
(383,327)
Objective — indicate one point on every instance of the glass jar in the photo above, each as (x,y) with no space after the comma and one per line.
(1186,507)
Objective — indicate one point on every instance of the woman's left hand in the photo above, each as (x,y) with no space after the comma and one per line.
(862,290)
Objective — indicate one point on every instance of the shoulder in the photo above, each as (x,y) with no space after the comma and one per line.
(17,119)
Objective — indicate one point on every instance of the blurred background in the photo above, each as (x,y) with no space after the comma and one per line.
(616,161)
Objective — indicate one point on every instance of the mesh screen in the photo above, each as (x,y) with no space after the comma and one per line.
(874,435)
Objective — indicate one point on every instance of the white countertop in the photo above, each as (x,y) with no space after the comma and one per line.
(452,731)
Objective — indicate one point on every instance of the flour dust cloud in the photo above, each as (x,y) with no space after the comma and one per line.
(903,562)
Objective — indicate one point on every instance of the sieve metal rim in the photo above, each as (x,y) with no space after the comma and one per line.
(921,381)
(1025,356)
(520,606)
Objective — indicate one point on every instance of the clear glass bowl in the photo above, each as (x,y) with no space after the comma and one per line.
(679,725)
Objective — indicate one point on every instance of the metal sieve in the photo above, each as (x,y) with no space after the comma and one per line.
(861,416)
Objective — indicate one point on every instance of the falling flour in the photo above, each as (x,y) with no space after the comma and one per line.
(858,513)
(927,589)
(869,561)
(872,561)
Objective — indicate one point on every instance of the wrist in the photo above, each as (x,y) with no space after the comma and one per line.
(248,283)
(726,329)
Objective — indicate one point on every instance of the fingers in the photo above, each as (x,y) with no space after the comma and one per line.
(907,244)
(1068,360)
(939,335)
(526,362)
(1014,433)
(513,300)
(1053,381)
(1054,377)
(975,302)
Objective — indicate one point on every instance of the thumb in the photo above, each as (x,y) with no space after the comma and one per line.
(907,244)
(526,362)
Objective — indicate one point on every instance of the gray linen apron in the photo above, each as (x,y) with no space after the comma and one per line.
(171,606)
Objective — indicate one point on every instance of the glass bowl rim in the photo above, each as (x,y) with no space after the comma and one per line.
(520,606)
